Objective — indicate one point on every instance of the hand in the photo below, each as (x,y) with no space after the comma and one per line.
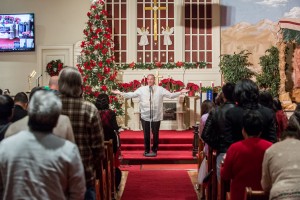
(184,91)
(115,91)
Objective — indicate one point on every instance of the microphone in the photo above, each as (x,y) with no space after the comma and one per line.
(39,76)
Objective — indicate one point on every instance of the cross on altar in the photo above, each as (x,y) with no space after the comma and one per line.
(155,8)
(157,77)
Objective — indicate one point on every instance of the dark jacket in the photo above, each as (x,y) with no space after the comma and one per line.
(4,124)
(295,119)
(213,132)
(18,113)
(234,124)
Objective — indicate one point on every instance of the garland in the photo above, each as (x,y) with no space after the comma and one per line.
(155,65)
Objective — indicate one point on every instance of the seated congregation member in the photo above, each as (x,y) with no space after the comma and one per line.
(111,131)
(213,133)
(246,95)
(62,129)
(20,109)
(295,118)
(6,109)
(86,125)
(266,99)
(36,164)
(206,107)
(243,160)
(281,167)
(281,118)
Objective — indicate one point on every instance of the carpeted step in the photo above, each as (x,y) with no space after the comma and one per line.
(161,140)
(162,147)
(172,157)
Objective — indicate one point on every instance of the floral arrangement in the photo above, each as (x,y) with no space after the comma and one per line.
(171,85)
(129,87)
(155,65)
(54,67)
(193,87)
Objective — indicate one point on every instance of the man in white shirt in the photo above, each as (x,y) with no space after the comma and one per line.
(151,105)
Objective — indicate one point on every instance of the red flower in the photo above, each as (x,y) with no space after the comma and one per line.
(82,44)
(88,14)
(100,64)
(106,70)
(96,94)
(93,7)
(179,64)
(104,51)
(100,77)
(97,16)
(131,65)
(158,64)
(108,61)
(107,36)
(104,88)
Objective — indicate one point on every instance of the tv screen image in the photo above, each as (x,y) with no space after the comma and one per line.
(17,32)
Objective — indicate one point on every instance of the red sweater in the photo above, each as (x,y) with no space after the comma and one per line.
(243,165)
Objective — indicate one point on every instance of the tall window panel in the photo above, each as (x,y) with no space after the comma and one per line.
(198,31)
(155,50)
(117,15)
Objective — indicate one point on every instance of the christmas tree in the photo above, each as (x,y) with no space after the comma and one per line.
(96,63)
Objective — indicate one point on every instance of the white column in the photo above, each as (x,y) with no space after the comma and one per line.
(192,110)
(131,31)
(178,30)
(136,113)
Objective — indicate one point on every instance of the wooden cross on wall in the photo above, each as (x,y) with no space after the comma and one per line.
(157,77)
(155,8)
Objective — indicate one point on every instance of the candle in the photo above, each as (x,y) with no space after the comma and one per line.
(212,84)
(200,87)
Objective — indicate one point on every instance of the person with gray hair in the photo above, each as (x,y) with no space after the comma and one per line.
(36,164)
(86,123)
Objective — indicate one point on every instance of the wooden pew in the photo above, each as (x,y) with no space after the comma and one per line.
(214,180)
(105,186)
(255,194)
(111,158)
(100,184)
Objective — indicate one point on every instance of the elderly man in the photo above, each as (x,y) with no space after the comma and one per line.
(36,164)
(86,125)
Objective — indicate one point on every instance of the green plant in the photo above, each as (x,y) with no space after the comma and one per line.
(235,67)
(269,79)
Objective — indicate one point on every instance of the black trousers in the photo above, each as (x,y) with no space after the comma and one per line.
(155,131)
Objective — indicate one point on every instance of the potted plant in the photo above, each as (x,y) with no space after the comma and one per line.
(235,67)
(193,88)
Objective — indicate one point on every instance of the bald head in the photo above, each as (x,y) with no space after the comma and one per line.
(53,83)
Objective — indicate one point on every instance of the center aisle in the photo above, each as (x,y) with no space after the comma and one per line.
(159,185)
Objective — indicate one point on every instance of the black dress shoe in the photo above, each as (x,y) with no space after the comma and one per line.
(145,153)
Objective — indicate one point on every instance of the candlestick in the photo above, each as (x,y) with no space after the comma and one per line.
(212,84)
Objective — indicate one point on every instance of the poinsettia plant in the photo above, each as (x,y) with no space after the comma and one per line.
(171,84)
(192,87)
(54,67)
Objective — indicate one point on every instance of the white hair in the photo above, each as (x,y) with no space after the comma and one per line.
(43,110)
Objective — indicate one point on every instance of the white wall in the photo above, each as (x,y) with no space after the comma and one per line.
(57,22)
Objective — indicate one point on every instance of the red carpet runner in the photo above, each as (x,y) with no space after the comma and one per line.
(174,147)
(159,185)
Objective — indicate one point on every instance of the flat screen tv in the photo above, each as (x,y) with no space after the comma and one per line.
(17,32)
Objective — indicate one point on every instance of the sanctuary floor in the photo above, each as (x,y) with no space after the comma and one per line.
(190,168)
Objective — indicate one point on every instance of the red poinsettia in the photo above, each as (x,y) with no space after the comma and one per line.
(192,87)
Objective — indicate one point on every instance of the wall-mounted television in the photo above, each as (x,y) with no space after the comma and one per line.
(17,32)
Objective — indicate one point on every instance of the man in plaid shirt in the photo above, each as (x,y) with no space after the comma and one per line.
(86,125)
